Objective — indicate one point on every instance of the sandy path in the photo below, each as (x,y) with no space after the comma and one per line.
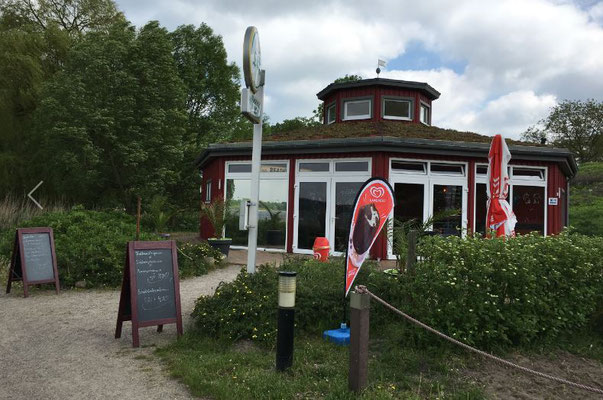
(62,347)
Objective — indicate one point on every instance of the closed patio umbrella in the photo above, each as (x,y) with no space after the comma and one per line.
(499,217)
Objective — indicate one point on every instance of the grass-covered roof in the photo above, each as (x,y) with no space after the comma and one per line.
(382,128)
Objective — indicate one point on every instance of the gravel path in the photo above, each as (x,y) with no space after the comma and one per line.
(63,347)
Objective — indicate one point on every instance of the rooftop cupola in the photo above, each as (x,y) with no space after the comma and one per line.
(378,99)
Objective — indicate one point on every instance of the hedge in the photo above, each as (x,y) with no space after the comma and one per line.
(91,246)
(489,293)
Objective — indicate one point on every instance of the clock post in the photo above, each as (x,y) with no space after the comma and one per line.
(252,107)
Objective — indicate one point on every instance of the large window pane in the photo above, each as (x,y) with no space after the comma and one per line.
(237,190)
(447,198)
(312,213)
(409,202)
(345,194)
(272,213)
(528,206)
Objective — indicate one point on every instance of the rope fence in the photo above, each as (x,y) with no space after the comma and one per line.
(363,290)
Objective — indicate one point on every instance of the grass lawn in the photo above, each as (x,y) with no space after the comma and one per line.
(219,370)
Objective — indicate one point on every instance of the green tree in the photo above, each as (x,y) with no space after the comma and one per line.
(112,124)
(35,37)
(576,125)
(212,84)
(73,16)
(295,123)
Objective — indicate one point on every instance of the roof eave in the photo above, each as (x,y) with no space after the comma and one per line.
(392,145)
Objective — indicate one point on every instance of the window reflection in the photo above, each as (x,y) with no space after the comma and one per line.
(272,212)
(528,206)
(447,198)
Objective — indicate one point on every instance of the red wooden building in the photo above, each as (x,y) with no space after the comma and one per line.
(379,127)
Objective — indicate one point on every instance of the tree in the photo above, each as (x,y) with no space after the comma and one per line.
(295,123)
(576,125)
(73,16)
(112,124)
(212,84)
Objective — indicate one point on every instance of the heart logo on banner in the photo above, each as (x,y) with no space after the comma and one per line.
(377,192)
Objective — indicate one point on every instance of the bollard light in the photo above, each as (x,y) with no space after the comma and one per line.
(286,289)
(286,319)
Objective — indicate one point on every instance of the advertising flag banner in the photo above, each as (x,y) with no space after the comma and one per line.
(373,206)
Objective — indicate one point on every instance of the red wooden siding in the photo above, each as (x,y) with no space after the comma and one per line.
(215,171)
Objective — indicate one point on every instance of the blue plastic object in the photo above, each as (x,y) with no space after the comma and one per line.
(340,337)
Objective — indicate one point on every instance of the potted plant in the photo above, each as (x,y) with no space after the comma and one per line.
(214,212)
(274,231)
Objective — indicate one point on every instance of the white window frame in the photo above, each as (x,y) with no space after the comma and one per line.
(430,179)
(263,176)
(514,181)
(357,117)
(421,106)
(331,178)
(399,100)
(208,191)
(333,106)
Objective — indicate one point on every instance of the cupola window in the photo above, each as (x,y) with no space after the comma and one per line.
(357,109)
(397,109)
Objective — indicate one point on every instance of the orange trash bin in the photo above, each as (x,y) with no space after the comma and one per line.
(321,249)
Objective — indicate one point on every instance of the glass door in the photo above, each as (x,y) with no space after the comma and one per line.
(345,194)
(311,215)
(446,200)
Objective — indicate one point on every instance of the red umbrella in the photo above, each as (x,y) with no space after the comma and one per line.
(499,217)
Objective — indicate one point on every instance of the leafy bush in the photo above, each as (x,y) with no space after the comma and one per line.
(247,307)
(196,259)
(503,292)
(485,292)
(91,246)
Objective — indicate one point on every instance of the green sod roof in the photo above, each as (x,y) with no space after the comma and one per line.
(397,129)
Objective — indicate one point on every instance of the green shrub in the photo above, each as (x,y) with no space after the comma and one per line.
(489,293)
(503,292)
(196,259)
(247,307)
(91,246)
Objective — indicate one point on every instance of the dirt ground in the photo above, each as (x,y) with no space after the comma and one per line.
(504,383)
(63,347)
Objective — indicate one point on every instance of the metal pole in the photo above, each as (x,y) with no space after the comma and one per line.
(256,159)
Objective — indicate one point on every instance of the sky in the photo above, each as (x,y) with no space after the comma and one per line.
(500,65)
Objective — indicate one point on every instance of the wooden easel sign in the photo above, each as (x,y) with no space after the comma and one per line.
(33,260)
(150,291)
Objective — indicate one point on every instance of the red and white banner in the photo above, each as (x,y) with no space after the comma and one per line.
(373,206)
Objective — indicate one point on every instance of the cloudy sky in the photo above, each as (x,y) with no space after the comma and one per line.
(500,65)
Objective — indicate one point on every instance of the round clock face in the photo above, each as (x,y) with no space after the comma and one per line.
(252,59)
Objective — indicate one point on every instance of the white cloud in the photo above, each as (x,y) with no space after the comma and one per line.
(520,56)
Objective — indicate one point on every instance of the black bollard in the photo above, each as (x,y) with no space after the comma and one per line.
(286,320)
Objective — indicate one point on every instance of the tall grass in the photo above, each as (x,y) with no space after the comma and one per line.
(14,210)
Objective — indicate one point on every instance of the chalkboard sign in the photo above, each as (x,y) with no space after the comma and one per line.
(150,293)
(33,260)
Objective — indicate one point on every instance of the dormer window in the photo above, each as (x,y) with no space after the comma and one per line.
(331,114)
(425,114)
(397,108)
(357,109)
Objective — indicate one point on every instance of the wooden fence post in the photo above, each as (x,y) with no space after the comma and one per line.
(411,254)
(359,340)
